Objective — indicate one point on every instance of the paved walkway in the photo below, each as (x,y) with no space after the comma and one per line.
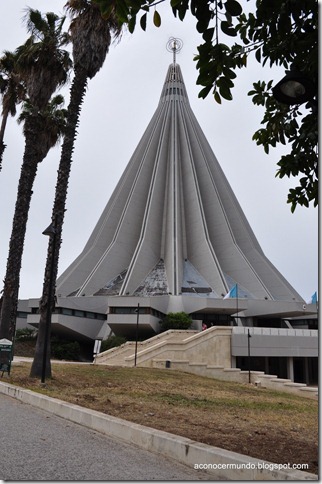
(36,445)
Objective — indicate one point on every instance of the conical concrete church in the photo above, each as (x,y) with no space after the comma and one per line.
(173,238)
(173,225)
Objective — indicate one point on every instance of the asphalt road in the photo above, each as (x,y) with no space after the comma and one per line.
(39,446)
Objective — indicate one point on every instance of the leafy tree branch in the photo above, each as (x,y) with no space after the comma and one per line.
(281,33)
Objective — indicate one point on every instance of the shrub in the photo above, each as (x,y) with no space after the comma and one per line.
(176,321)
(112,342)
(65,350)
(26,334)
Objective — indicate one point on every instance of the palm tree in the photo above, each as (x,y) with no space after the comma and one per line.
(91,36)
(12,91)
(52,123)
(43,66)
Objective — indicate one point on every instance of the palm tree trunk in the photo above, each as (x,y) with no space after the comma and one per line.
(77,94)
(12,277)
(2,130)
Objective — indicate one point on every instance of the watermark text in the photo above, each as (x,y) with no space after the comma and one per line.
(270,466)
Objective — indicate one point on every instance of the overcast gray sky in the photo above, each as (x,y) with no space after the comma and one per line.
(120,102)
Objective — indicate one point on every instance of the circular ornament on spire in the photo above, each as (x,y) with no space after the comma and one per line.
(174,45)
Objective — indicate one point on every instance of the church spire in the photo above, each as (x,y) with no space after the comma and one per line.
(174,88)
(174,45)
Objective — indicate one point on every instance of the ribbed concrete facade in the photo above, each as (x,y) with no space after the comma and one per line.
(173,225)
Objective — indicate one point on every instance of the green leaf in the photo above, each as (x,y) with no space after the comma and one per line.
(225,92)
(181,8)
(143,21)
(208,35)
(131,24)
(122,11)
(229,73)
(217,97)
(204,78)
(229,18)
(204,92)
(156,18)
(227,29)
(234,8)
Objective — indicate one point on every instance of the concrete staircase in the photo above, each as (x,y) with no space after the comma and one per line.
(257,378)
(205,353)
(124,355)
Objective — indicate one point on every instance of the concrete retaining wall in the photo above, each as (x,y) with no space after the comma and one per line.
(221,464)
(211,346)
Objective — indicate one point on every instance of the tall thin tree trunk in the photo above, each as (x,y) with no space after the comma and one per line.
(19,225)
(77,94)
(2,130)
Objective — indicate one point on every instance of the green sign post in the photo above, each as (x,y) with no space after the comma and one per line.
(5,355)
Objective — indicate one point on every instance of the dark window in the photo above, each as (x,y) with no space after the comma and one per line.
(101,317)
(79,314)
(90,315)
(67,311)
(22,314)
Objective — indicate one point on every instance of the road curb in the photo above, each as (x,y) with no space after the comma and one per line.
(219,463)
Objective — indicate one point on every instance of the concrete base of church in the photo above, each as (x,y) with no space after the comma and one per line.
(214,353)
(280,341)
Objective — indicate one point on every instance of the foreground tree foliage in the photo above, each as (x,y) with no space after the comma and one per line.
(277,33)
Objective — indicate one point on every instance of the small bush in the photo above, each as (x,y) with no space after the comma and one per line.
(179,320)
(65,350)
(25,334)
(112,342)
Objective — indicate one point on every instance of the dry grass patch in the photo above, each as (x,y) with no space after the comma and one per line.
(274,426)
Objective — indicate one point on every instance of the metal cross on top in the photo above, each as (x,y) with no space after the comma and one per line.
(174,45)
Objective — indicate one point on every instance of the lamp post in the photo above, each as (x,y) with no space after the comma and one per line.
(50,231)
(295,88)
(237,303)
(136,333)
(248,341)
